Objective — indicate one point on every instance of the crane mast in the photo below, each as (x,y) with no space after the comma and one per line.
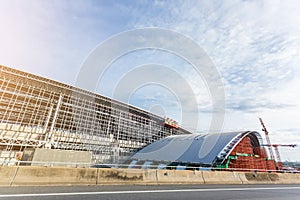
(267,138)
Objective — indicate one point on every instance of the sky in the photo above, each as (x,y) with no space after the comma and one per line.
(253,45)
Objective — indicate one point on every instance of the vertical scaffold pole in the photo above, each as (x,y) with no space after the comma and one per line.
(49,138)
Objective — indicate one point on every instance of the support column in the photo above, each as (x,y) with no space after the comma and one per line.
(47,121)
(49,139)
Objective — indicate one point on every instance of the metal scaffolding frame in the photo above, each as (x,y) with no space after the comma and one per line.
(41,113)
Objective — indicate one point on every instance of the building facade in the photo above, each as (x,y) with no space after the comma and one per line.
(37,112)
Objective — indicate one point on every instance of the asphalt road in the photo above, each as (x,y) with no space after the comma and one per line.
(174,192)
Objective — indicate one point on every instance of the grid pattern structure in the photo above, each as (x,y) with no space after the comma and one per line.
(36,112)
(247,156)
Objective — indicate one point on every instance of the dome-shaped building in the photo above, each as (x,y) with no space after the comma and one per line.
(239,150)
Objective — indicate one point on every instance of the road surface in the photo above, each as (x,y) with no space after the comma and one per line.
(174,192)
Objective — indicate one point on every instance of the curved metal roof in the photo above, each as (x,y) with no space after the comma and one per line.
(195,148)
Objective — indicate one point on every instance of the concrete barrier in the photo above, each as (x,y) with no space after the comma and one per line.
(150,176)
(179,177)
(268,178)
(288,178)
(7,175)
(126,176)
(29,175)
(58,157)
(242,177)
(55,176)
(217,177)
(258,178)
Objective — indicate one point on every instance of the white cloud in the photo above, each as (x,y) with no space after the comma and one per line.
(254,44)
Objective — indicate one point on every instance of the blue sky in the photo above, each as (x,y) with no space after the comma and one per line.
(254,45)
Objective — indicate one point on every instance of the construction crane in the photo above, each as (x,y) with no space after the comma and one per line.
(264,129)
(279,163)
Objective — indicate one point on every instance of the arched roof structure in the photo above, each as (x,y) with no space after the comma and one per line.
(206,149)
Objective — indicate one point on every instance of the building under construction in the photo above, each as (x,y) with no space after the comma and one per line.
(233,150)
(39,113)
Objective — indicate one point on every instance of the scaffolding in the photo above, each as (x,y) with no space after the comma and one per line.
(41,113)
